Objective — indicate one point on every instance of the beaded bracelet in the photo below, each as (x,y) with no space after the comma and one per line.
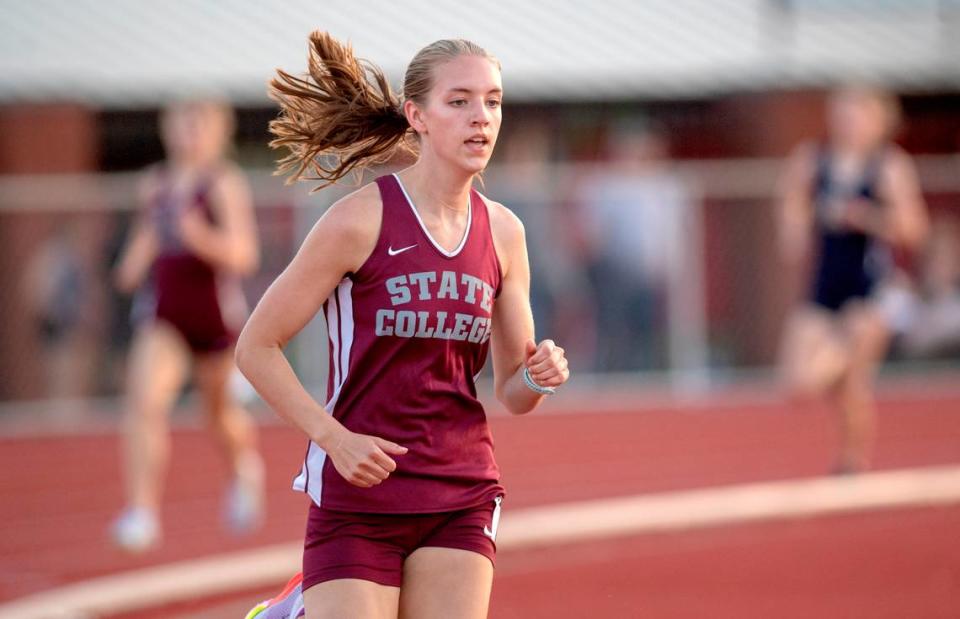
(534,386)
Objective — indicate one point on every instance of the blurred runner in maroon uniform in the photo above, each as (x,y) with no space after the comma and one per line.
(195,238)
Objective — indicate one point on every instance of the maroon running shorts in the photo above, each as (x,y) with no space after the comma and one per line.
(374,546)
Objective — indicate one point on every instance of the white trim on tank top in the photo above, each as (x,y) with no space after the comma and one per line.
(423,226)
(339,317)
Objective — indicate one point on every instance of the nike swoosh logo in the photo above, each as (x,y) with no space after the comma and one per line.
(491,531)
(394,252)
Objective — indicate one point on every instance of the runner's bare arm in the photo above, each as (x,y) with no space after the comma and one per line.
(795,213)
(141,246)
(512,343)
(338,244)
(908,219)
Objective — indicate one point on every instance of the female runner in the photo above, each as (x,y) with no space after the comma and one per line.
(856,198)
(196,236)
(417,275)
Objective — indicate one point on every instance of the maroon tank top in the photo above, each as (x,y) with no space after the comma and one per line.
(408,334)
(206,306)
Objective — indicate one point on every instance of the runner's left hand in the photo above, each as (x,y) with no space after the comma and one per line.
(547,364)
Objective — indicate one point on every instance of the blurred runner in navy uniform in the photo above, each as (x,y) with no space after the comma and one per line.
(853,200)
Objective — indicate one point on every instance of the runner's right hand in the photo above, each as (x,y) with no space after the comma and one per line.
(363,460)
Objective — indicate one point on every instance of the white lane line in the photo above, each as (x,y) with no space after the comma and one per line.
(571,522)
(538,526)
(164,584)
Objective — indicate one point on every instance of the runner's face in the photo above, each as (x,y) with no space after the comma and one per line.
(194,132)
(858,120)
(461,118)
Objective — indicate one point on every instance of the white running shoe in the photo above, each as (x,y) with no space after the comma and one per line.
(136,530)
(245,501)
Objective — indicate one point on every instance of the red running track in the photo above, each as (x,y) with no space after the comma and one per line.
(896,565)
(890,565)
(60,492)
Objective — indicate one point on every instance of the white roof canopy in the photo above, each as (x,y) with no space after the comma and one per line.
(128,53)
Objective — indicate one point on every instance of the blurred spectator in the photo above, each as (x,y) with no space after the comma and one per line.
(526,180)
(56,288)
(521,180)
(631,213)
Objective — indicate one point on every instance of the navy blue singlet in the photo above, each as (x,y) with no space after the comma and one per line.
(849,262)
